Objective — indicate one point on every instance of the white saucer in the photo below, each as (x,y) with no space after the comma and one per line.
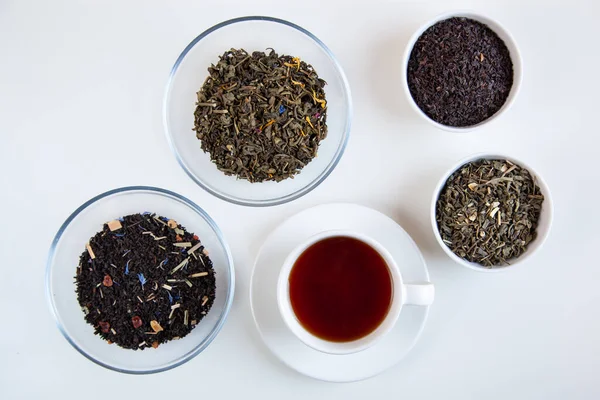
(263,297)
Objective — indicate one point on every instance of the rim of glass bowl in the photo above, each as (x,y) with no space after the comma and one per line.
(279,200)
(177,197)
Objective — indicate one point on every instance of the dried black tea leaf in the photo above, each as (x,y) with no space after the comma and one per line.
(129,290)
(488,211)
(460,72)
(261,116)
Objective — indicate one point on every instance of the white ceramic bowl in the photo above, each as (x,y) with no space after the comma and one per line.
(515,55)
(544,224)
(254,34)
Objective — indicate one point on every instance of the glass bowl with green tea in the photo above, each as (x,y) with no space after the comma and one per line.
(461,70)
(139,279)
(257,111)
(491,212)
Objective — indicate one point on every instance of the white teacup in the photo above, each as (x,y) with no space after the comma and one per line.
(420,294)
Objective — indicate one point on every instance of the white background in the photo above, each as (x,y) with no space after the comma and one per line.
(81,86)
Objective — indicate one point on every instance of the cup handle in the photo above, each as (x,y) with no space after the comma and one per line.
(419,294)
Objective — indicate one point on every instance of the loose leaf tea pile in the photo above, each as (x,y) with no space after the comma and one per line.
(262,116)
(144,280)
(460,72)
(488,211)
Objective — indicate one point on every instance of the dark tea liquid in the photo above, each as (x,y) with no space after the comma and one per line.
(340,289)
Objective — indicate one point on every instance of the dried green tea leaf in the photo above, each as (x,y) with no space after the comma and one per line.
(261,116)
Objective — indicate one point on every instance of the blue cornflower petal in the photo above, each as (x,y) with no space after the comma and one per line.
(170,297)
(142,279)
(281,109)
(127,268)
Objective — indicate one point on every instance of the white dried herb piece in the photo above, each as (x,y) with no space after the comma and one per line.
(173,308)
(198,275)
(150,233)
(194,248)
(159,220)
(90,251)
(493,212)
(182,244)
(180,265)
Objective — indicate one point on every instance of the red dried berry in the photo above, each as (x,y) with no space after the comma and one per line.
(178,238)
(155,344)
(196,237)
(136,321)
(108,282)
(104,326)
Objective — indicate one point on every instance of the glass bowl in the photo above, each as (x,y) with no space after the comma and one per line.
(188,75)
(70,242)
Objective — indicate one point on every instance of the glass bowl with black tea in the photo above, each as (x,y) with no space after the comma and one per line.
(257,111)
(139,279)
(491,212)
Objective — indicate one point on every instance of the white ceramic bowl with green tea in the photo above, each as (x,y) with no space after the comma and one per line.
(542,229)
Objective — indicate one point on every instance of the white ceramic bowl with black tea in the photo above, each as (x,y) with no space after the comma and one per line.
(70,242)
(544,222)
(191,70)
(502,33)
